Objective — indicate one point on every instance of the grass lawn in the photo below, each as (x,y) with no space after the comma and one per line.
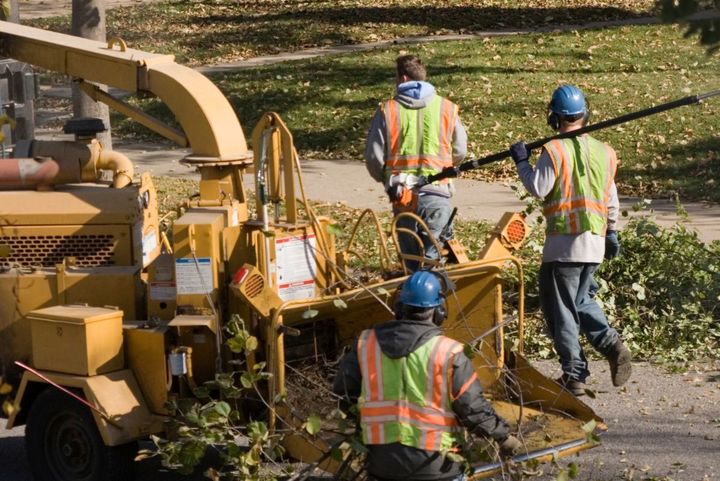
(502,86)
(213,31)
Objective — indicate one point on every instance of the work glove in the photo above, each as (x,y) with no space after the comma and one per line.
(510,447)
(612,244)
(519,152)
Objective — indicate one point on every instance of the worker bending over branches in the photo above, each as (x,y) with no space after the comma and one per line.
(417,391)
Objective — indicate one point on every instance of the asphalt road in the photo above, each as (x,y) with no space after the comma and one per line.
(662,427)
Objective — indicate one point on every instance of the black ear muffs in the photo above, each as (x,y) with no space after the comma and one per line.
(553,120)
(440,313)
(586,117)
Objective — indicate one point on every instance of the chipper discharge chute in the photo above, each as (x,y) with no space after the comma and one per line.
(117,317)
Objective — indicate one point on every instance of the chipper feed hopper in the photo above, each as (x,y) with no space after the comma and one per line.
(105,317)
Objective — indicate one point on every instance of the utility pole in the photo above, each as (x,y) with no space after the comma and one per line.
(88,21)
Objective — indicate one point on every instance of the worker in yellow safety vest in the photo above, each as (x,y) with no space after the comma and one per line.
(575,178)
(416,133)
(416,390)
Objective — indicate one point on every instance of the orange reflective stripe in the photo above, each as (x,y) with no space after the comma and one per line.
(405,162)
(436,381)
(376,434)
(581,203)
(370,364)
(573,221)
(465,386)
(375,365)
(565,162)
(612,160)
(392,122)
(380,405)
(371,414)
(447,122)
(455,348)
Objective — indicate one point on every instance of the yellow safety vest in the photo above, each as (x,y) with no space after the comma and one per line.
(409,400)
(584,170)
(419,141)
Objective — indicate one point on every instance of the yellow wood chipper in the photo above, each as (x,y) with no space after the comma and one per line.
(104,318)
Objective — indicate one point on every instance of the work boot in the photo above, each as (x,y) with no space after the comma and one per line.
(573,386)
(619,358)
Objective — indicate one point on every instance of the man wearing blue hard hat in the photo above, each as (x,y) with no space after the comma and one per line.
(417,391)
(575,178)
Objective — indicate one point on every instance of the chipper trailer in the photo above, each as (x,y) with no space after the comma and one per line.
(106,317)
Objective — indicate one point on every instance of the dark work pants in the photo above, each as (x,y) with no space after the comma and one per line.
(435,211)
(566,295)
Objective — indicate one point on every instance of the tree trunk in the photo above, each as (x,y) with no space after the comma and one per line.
(88,21)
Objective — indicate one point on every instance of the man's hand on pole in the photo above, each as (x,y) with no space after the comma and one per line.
(519,152)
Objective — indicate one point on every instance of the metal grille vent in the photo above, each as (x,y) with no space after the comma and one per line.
(49,250)
(515,232)
(254,285)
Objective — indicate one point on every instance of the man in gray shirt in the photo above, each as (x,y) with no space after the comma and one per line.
(575,179)
(416,133)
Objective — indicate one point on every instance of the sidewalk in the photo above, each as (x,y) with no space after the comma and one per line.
(327,181)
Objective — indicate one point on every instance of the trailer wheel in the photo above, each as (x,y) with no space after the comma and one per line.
(64,444)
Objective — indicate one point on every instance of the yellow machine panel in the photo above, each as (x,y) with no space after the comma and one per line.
(198,266)
(146,354)
(98,286)
(81,204)
(76,339)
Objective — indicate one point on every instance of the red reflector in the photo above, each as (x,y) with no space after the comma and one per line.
(240,275)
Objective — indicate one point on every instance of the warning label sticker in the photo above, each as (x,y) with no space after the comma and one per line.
(162,291)
(193,277)
(296,267)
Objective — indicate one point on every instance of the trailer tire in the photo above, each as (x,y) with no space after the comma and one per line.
(63,443)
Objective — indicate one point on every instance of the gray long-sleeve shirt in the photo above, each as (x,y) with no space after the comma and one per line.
(585,247)
(376,145)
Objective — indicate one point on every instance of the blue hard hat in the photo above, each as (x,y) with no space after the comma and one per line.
(567,100)
(422,289)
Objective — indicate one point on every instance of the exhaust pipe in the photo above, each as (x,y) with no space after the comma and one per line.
(64,162)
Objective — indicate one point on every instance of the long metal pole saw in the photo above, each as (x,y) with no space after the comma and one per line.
(475,163)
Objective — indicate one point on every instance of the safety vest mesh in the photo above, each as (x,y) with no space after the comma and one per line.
(408,400)
(419,141)
(584,170)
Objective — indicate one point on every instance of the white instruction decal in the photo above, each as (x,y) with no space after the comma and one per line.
(296,264)
(149,244)
(193,276)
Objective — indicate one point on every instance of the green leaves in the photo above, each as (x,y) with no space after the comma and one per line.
(313,424)
(241,340)
(334,229)
(223,409)
(589,429)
